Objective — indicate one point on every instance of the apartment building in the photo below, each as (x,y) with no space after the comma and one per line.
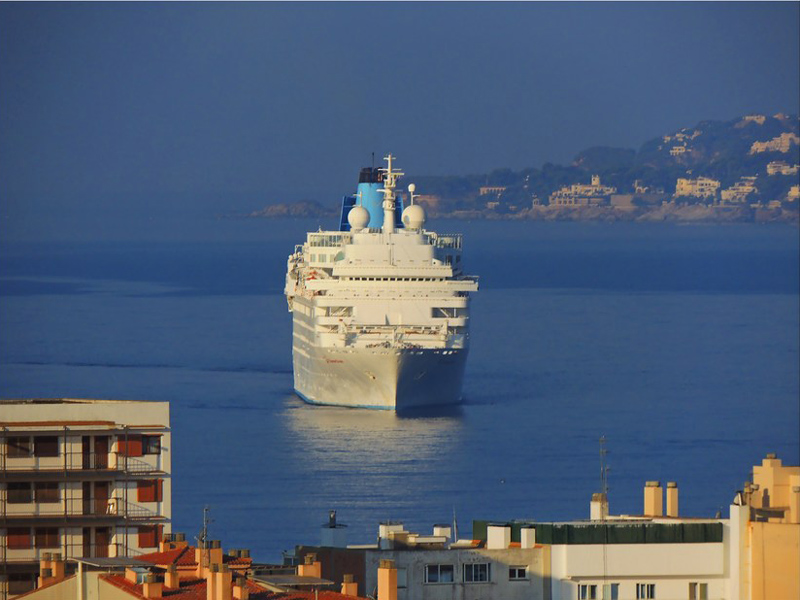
(701,187)
(80,478)
(581,194)
(739,191)
(754,554)
(781,167)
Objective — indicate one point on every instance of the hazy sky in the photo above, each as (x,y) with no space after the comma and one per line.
(148,108)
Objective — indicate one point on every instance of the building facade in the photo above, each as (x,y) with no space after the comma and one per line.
(702,187)
(658,555)
(80,478)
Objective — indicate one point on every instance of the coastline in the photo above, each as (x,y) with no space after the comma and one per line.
(669,212)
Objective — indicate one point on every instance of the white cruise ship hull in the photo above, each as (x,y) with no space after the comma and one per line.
(379,378)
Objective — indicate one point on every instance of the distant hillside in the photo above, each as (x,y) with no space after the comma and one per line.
(723,165)
(714,149)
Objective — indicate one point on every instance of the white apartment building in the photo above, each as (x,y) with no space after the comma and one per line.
(80,478)
(702,187)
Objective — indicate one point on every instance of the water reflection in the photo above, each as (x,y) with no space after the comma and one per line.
(371,440)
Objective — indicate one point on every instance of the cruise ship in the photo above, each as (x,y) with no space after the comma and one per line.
(381,306)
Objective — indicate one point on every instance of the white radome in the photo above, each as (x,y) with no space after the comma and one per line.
(414,217)
(358,217)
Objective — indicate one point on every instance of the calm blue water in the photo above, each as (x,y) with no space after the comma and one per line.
(679,344)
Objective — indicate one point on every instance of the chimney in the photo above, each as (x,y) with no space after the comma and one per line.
(206,554)
(387,580)
(151,588)
(311,567)
(498,537)
(45,577)
(172,580)
(527,537)
(672,499)
(653,499)
(223,584)
(598,508)
(349,587)
(240,590)
(443,531)
(57,566)
(130,575)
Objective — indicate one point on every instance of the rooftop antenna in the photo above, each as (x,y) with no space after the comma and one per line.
(373,161)
(455,525)
(603,467)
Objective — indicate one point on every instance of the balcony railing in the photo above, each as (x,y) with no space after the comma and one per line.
(78,508)
(81,462)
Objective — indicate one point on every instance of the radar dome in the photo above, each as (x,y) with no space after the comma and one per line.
(414,217)
(358,217)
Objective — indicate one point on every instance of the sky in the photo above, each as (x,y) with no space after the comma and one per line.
(123,109)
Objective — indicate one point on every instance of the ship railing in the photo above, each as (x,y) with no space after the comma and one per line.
(448,240)
(329,239)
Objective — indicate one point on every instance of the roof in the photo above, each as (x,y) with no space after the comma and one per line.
(185,557)
(195,589)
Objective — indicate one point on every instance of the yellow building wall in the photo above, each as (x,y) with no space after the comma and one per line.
(775,561)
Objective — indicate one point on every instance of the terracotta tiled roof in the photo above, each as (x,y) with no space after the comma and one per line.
(181,556)
(195,589)
(184,557)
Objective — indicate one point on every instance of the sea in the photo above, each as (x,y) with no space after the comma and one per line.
(677,345)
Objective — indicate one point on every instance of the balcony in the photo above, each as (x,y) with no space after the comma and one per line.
(77,510)
(78,464)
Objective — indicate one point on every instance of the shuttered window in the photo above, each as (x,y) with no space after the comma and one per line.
(46,493)
(130,445)
(19,492)
(18,447)
(45,445)
(150,536)
(47,537)
(150,490)
(19,538)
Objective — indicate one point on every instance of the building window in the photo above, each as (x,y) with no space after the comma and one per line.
(18,447)
(477,572)
(150,536)
(151,444)
(645,591)
(46,493)
(47,537)
(130,445)
(610,591)
(45,445)
(698,591)
(517,573)
(19,538)
(587,592)
(19,493)
(438,573)
(149,490)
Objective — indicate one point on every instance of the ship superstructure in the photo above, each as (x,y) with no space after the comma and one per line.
(381,314)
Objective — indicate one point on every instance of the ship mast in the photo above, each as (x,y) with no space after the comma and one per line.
(389,182)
